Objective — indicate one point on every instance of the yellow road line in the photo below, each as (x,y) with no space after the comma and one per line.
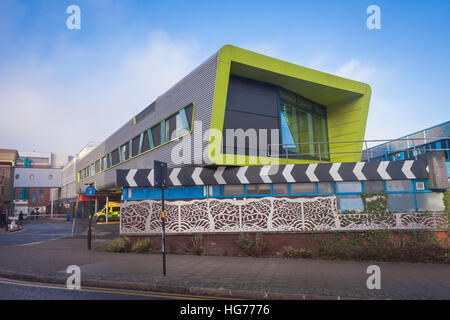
(115,291)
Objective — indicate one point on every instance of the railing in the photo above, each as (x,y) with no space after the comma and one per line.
(325,156)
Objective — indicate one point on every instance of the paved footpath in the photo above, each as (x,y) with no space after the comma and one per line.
(245,277)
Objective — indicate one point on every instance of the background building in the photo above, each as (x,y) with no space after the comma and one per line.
(37,180)
(8,159)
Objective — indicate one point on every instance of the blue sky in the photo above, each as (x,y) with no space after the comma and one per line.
(64,88)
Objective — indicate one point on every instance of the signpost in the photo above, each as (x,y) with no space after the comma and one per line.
(160,182)
(90,191)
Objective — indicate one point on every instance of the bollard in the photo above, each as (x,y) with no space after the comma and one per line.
(89,233)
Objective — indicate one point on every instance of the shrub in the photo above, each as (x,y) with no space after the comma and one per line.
(250,246)
(245,243)
(142,246)
(197,243)
(291,252)
(121,244)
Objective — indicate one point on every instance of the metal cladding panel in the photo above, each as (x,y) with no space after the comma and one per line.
(317,172)
(198,88)
(37,177)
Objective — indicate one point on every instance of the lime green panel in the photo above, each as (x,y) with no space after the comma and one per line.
(347,103)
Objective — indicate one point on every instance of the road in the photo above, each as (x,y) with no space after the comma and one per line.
(37,231)
(22,290)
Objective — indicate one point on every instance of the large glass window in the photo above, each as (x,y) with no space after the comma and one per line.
(401,202)
(280,188)
(304,130)
(253,189)
(233,190)
(348,186)
(303,188)
(399,185)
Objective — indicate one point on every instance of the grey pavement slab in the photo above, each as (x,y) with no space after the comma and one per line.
(290,276)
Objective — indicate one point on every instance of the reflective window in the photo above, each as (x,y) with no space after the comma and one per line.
(280,188)
(350,202)
(373,186)
(349,186)
(258,189)
(303,127)
(182,124)
(233,190)
(401,202)
(433,201)
(303,188)
(399,185)
(326,187)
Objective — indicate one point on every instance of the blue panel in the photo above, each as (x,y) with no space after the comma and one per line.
(448,169)
(138,193)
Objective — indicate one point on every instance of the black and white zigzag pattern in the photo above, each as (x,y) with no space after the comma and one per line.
(321,172)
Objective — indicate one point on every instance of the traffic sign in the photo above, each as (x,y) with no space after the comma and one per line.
(90,191)
(160,174)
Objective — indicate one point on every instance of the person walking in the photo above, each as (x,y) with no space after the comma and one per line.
(20,218)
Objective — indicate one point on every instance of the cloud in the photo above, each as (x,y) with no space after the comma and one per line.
(77,95)
(355,70)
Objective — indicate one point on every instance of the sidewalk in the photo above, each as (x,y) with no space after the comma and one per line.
(244,277)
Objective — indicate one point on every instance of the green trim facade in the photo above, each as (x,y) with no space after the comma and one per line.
(346,102)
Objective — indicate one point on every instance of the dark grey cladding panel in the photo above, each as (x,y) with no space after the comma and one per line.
(250,105)
(356,171)
(394,170)
(370,170)
(346,171)
(252,96)
(323,172)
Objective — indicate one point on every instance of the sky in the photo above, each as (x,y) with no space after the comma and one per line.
(61,88)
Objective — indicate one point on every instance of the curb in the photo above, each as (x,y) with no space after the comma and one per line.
(202,291)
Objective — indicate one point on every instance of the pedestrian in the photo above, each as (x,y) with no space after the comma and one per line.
(20,218)
(32,214)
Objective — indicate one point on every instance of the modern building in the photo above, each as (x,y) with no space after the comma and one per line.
(253,143)
(303,115)
(37,180)
(411,146)
(8,160)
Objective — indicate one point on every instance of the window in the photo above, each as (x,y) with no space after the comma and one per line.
(92,169)
(350,202)
(136,145)
(123,152)
(115,157)
(373,186)
(156,134)
(401,202)
(233,190)
(351,186)
(182,124)
(399,185)
(97,166)
(280,188)
(303,188)
(253,189)
(103,166)
(326,187)
(433,201)
(304,131)
(163,125)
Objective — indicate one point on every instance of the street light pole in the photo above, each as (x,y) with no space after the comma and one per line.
(163,223)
